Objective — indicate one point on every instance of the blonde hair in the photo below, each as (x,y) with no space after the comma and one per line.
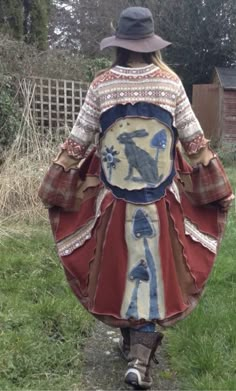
(156,59)
(122,59)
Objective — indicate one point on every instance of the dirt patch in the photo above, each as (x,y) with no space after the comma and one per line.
(104,367)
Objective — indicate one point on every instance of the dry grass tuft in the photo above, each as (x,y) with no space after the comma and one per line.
(24,167)
(19,185)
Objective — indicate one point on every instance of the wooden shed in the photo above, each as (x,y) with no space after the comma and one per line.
(215,106)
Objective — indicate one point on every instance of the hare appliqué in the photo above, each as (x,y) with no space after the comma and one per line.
(141,160)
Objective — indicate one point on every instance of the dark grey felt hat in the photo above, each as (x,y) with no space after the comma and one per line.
(135,32)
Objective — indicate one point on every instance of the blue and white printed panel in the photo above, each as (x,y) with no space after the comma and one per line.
(144,292)
(136,153)
(137,149)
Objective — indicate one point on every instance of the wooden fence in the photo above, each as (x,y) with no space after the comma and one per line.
(55,104)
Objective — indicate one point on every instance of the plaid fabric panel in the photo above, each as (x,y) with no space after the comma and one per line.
(59,187)
(209,183)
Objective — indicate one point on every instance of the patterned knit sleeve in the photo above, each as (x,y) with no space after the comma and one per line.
(189,129)
(85,127)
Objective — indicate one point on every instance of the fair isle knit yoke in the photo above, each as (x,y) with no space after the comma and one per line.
(121,85)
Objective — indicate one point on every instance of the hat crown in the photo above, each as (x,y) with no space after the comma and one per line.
(135,23)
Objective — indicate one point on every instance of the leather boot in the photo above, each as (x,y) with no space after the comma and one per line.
(124,342)
(142,350)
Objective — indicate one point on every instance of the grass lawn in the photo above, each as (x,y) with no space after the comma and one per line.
(202,348)
(42,325)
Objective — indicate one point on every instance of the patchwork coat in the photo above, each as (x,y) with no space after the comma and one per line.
(137,228)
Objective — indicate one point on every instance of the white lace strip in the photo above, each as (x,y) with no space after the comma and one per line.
(76,240)
(207,241)
(174,189)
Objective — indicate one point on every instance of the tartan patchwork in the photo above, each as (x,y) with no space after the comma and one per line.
(60,186)
(209,183)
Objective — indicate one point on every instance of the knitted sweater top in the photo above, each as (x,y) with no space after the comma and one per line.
(149,84)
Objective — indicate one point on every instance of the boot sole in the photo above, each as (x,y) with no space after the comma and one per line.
(133,378)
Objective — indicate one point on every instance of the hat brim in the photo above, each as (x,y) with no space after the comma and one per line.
(145,45)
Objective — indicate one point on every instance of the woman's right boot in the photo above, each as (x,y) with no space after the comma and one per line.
(142,350)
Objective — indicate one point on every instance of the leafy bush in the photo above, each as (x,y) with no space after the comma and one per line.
(22,61)
(95,65)
(10,116)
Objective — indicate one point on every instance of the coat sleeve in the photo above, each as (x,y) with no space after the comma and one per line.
(190,132)
(85,127)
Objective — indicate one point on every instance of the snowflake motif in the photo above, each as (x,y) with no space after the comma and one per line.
(109,156)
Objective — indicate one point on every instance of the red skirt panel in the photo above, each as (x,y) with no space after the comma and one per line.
(99,255)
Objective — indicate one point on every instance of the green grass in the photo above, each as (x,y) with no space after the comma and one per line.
(42,326)
(202,348)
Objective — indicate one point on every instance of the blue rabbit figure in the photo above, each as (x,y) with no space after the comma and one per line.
(139,159)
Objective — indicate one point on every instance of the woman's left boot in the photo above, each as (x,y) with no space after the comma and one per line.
(142,349)
(124,342)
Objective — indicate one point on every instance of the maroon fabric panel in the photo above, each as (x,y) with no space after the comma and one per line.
(94,165)
(199,259)
(78,262)
(174,301)
(69,222)
(206,218)
(95,265)
(113,266)
(75,286)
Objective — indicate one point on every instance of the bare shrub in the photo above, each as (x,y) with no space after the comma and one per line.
(24,166)
(21,60)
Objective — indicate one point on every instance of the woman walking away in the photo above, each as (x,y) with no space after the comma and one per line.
(137,228)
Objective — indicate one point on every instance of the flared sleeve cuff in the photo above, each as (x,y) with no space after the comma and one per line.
(193,146)
(74,149)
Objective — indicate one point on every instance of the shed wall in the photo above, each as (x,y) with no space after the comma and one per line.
(229,116)
(206,105)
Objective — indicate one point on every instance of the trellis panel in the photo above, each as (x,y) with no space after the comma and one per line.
(56,103)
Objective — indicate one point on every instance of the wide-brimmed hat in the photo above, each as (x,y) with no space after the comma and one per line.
(135,32)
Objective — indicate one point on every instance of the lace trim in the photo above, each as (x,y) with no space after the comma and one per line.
(76,240)
(174,190)
(206,241)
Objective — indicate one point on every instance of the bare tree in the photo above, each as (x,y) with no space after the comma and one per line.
(203,32)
